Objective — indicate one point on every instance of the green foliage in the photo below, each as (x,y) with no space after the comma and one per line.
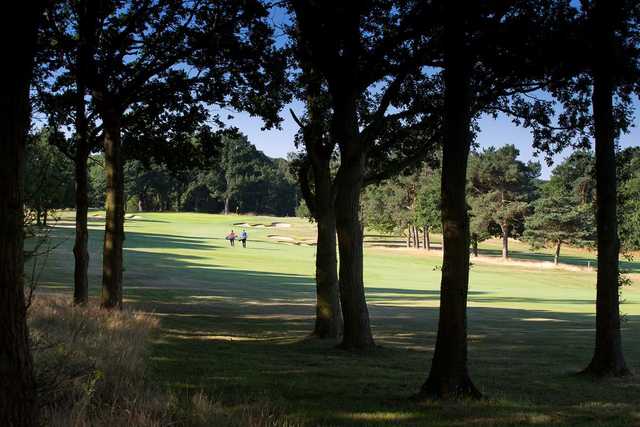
(428,201)
(500,188)
(48,175)
(629,198)
(560,218)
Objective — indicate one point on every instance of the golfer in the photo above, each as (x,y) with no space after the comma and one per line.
(243,238)
(231,237)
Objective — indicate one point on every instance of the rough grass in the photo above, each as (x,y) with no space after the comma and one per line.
(232,343)
(90,365)
(91,371)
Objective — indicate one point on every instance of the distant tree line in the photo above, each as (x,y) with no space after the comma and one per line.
(246,181)
(507,199)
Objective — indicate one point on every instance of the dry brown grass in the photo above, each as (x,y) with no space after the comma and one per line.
(90,368)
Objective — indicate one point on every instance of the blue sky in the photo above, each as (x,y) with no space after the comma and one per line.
(496,132)
(493,132)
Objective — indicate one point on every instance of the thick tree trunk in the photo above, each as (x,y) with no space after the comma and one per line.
(409,237)
(226,205)
(556,255)
(114,227)
(608,358)
(328,317)
(449,377)
(505,241)
(357,330)
(17,389)
(416,240)
(474,246)
(80,247)
(38,217)
(45,216)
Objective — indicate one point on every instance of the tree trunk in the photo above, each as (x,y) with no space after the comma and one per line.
(416,240)
(38,217)
(226,205)
(556,255)
(409,237)
(17,388)
(45,215)
(449,377)
(80,247)
(505,241)
(474,245)
(608,358)
(328,317)
(114,226)
(357,331)
(427,240)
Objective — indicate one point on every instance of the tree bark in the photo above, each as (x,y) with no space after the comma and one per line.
(449,377)
(409,237)
(505,240)
(226,205)
(17,388)
(608,358)
(416,240)
(328,317)
(114,226)
(349,179)
(556,255)
(80,247)
(357,330)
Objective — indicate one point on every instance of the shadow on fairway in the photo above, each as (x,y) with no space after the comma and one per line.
(243,334)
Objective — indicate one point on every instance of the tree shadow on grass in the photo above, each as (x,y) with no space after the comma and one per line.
(242,333)
(577,261)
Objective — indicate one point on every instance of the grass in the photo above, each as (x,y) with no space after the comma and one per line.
(234,325)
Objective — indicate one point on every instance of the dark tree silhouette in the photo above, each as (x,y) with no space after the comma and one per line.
(17,389)
(350,60)
(317,187)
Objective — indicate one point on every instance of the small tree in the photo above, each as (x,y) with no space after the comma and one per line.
(559,219)
(502,187)
(427,210)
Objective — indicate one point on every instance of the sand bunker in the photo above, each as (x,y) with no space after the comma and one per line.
(132,216)
(290,240)
(272,225)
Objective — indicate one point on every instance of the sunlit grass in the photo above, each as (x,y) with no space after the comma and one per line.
(234,323)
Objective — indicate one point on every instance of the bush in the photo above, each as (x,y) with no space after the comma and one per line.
(89,366)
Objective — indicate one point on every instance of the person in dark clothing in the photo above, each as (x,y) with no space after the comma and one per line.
(243,238)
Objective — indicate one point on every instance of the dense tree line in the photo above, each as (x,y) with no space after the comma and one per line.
(502,189)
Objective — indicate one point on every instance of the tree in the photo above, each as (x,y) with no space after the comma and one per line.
(502,186)
(428,205)
(352,48)
(449,374)
(18,406)
(49,180)
(316,179)
(559,218)
(629,198)
(492,54)
(608,24)
(136,53)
